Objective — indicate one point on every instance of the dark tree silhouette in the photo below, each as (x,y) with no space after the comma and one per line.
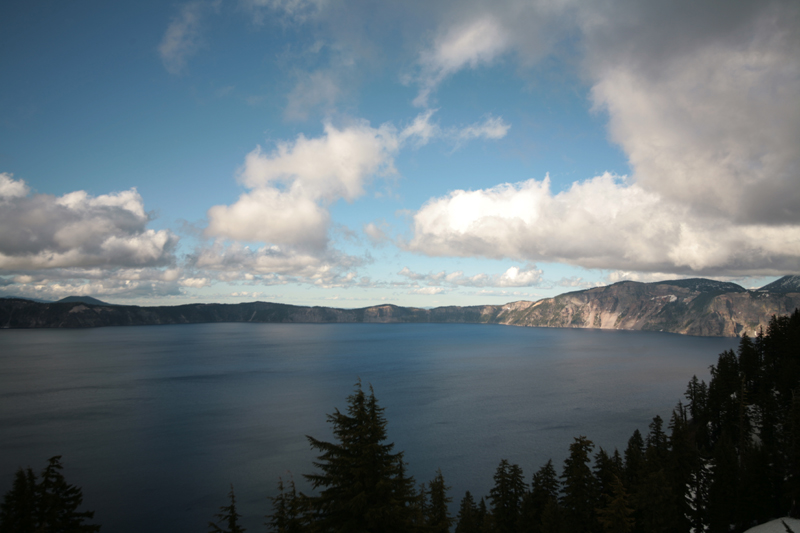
(363,484)
(47,506)
(228,517)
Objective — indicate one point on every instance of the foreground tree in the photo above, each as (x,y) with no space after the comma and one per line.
(287,510)
(363,486)
(506,496)
(47,506)
(438,516)
(228,517)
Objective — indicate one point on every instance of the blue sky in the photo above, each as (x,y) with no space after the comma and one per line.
(343,153)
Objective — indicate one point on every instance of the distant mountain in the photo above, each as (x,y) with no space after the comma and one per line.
(784,284)
(693,307)
(83,300)
(41,301)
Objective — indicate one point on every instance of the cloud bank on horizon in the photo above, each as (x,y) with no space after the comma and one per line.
(701,100)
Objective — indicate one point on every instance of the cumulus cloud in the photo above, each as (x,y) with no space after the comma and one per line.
(471,44)
(513,277)
(600,223)
(182,38)
(123,283)
(293,186)
(11,188)
(712,121)
(78,230)
(704,106)
(273,265)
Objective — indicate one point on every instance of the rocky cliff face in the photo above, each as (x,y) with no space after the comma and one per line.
(676,308)
(693,307)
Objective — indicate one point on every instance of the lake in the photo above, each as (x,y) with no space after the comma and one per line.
(156,422)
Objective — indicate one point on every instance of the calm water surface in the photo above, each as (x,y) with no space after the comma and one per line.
(155,422)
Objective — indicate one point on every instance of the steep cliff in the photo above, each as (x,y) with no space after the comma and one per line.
(677,307)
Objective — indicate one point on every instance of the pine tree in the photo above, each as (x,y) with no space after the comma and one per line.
(438,516)
(506,496)
(616,516)
(287,510)
(46,506)
(580,496)
(467,520)
(364,487)
(228,517)
(57,503)
(543,493)
(18,513)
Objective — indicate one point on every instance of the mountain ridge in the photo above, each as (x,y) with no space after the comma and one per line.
(693,307)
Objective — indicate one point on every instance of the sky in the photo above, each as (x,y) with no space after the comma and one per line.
(422,153)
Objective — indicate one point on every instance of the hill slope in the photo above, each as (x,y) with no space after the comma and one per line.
(693,307)
(662,306)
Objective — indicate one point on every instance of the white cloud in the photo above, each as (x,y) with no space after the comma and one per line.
(513,277)
(11,188)
(123,283)
(376,232)
(490,128)
(182,38)
(195,283)
(430,291)
(716,128)
(273,265)
(475,43)
(336,165)
(293,186)
(600,223)
(78,230)
(421,128)
(704,104)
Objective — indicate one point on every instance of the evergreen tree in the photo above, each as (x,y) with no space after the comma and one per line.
(580,495)
(543,493)
(438,516)
(506,496)
(228,517)
(57,503)
(18,512)
(616,516)
(364,486)
(485,518)
(606,471)
(49,505)
(287,510)
(634,459)
(467,520)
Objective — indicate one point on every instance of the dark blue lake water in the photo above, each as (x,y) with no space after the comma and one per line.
(155,422)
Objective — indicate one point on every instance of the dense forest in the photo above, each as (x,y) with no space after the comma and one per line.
(727,459)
